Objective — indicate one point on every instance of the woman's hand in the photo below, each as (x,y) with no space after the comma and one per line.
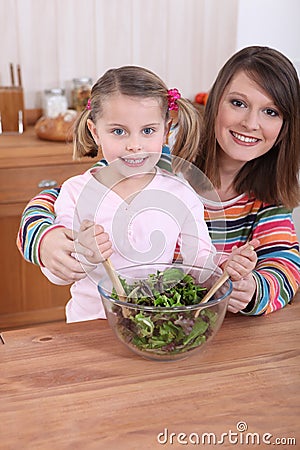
(242,293)
(56,254)
(239,266)
(241,261)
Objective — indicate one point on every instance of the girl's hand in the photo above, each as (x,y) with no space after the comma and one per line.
(93,237)
(242,293)
(56,249)
(242,260)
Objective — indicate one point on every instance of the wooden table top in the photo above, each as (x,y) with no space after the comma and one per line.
(76,387)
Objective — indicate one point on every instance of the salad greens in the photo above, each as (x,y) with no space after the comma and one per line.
(167,331)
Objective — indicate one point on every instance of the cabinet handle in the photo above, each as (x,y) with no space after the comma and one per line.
(47,183)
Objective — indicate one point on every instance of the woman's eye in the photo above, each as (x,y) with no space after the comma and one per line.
(118,131)
(148,130)
(238,103)
(271,112)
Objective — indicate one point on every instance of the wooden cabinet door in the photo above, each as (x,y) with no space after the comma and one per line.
(26,295)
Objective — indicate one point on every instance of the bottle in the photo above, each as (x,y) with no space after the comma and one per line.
(55,102)
(81,92)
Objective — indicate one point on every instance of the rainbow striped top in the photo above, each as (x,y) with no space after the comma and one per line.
(277,272)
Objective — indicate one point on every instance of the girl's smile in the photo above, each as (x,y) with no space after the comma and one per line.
(134,162)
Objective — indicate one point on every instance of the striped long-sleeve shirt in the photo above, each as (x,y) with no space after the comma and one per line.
(231,223)
(277,272)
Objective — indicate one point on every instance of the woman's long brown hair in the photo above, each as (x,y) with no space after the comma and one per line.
(274,176)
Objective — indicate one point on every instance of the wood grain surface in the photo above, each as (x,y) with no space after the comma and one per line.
(74,386)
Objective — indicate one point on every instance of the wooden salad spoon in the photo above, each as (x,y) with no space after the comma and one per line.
(223,278)
(116,284)
(114,279)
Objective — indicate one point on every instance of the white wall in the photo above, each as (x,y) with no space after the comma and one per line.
(296,217)
(275,23)
(183,41)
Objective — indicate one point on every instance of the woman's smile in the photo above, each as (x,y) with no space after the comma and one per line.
(244,139)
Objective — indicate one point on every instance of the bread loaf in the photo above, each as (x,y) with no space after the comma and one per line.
(59,128)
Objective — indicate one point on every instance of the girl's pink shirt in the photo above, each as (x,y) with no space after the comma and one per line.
(145,230)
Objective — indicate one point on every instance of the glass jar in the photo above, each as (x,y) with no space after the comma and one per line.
(81,92)
(55,102)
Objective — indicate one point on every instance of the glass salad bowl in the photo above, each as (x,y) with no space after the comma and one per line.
(161,317)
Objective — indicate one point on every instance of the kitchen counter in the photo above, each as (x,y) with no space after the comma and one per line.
(69,386)
(28,149)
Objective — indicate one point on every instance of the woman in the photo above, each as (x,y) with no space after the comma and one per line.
(250,152)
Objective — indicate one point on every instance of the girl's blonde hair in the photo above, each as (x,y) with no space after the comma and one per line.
(137,81)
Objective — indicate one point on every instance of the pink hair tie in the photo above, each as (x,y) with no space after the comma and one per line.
(173,96)
(88,105)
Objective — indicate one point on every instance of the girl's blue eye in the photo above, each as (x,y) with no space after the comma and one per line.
(148,130)
(271,112)
(118,131)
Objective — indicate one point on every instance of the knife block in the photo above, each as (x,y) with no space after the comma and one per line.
(12,109)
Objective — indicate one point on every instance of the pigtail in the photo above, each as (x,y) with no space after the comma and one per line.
(188,130)
(83,142)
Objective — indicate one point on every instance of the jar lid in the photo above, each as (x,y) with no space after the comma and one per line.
(55,91)
(86,80)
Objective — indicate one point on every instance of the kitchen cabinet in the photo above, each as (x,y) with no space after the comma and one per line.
(26,162)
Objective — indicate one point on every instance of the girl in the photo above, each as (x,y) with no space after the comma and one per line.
(141,212)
